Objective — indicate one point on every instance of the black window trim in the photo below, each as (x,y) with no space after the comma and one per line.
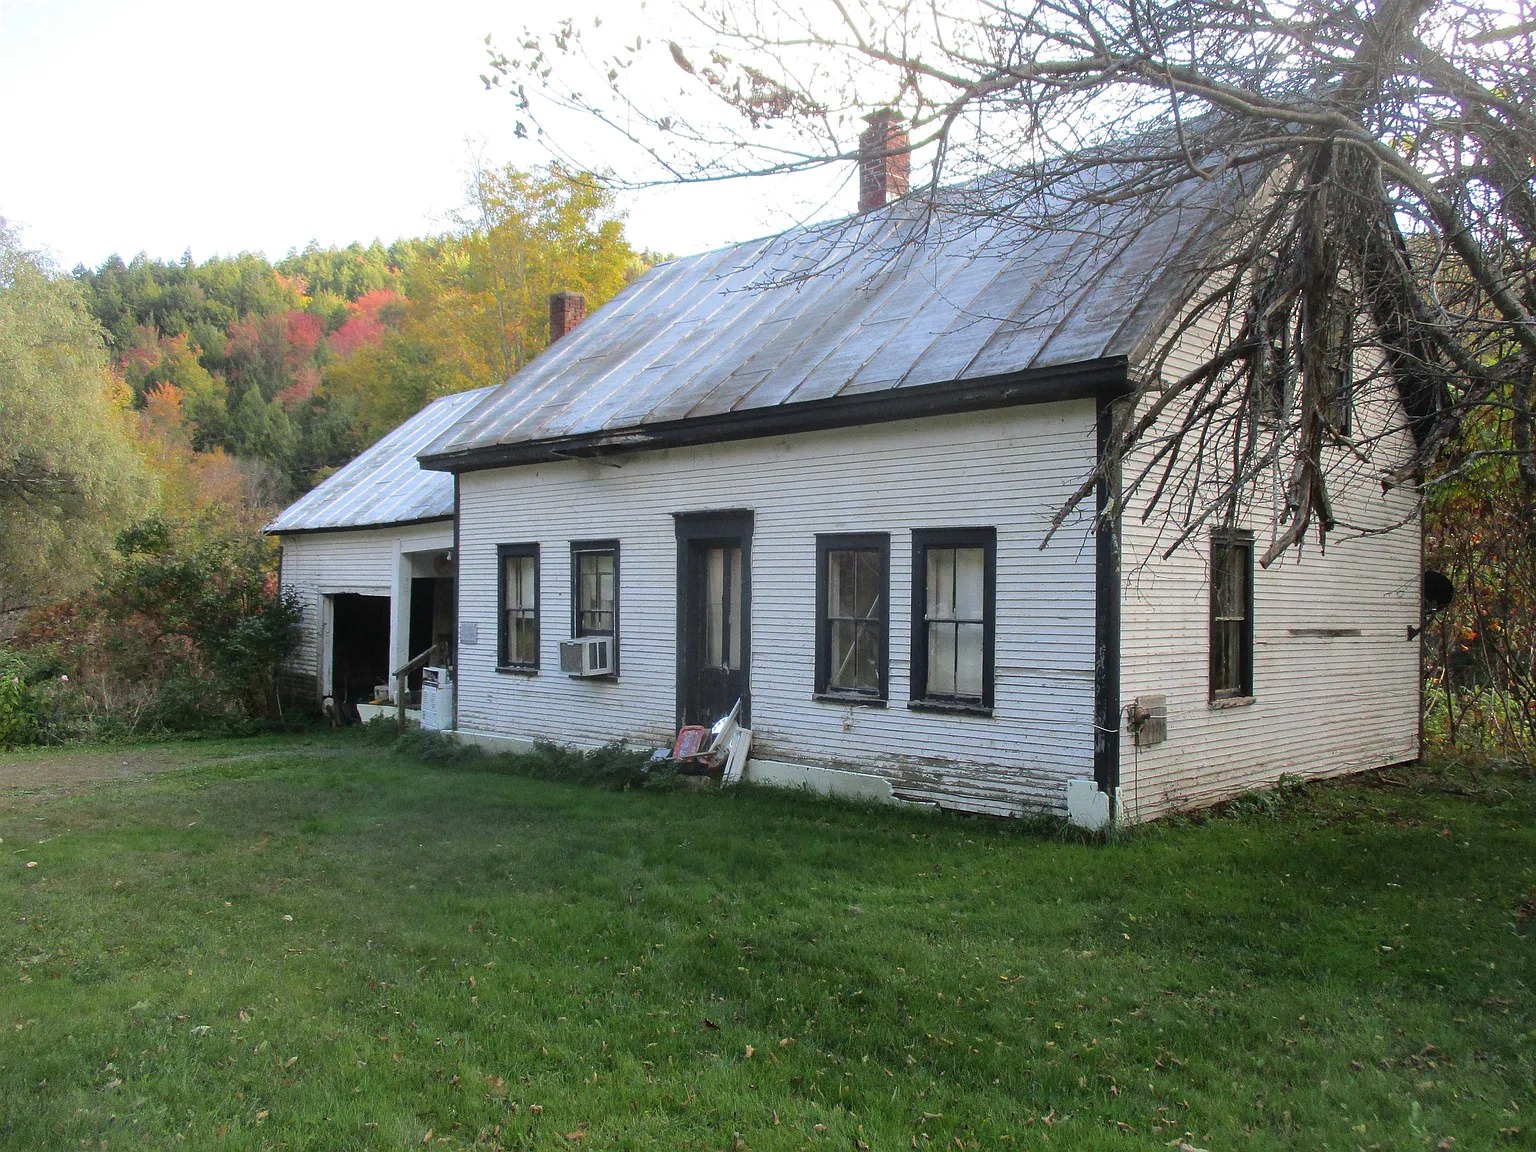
(578,548)
(1224,538)
(879,542)
(922,540)
(1339,399)
(1272,373)
(503,635)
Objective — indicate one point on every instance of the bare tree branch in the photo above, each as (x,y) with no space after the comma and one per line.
(1400,214)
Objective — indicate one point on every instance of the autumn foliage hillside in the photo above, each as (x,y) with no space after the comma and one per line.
(154,415)
(296,366)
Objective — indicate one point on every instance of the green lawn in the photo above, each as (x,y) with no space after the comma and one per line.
(315,943)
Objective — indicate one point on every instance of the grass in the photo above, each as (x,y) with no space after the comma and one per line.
(318,943)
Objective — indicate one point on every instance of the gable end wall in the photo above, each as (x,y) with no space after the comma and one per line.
(1335,675)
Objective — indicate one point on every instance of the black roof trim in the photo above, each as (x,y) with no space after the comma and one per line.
(1087,380)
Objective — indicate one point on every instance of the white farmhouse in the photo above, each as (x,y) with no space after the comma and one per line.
(814,474)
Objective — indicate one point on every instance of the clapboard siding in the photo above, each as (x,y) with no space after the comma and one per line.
(317,564)
(1009,470)
(1323,705)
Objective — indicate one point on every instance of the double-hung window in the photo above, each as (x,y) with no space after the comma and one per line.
(1272,368)
(595,589)
(1339,374)
(852,617)
(1231,616)
(517,647)
(954,594)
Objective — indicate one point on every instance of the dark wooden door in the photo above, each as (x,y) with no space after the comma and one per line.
(714,616)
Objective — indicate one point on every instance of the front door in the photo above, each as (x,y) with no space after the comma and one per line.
(714,622)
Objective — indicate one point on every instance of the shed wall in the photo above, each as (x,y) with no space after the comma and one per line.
(364,561)
(1007,469)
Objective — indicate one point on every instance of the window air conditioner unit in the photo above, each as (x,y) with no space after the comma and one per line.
(587,656)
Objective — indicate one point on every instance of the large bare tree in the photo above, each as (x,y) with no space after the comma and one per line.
(1399,137)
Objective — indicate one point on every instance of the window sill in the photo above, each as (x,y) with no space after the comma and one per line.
(518,669)
(1232,702)
(849,698)
(949,708)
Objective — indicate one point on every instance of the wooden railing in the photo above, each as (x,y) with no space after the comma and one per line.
(415,664)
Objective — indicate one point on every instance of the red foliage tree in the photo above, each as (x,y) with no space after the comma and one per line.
(366,324)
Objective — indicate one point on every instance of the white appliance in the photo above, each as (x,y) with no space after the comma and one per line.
(587,656)
(436,699)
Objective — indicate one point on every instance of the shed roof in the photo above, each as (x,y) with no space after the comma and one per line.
(384,485)
(850,317)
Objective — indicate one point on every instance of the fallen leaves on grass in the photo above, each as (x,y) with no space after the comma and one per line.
(1526,909)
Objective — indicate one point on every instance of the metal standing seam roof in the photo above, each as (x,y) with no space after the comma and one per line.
(923,292)
(385,484)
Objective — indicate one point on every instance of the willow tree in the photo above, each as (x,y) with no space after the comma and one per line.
(70,476)
(1398,137)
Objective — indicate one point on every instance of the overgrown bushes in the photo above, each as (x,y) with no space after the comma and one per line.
(1480,653)
(184,632)
(18,707)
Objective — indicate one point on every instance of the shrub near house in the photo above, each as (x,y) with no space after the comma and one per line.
(185,631)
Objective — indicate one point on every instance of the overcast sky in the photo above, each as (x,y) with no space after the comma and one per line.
(160,126)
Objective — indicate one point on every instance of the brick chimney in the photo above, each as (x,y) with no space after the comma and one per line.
(566,310)
(885,161)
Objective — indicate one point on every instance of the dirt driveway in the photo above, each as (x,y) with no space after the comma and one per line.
(34,776)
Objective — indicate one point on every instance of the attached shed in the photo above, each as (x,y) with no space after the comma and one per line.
(370,552)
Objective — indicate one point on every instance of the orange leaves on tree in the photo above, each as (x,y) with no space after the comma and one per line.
(160,420)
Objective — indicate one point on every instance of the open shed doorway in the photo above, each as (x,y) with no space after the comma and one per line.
(359,649)
(431,621)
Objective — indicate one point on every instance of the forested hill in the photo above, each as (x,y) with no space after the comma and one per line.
(292,368)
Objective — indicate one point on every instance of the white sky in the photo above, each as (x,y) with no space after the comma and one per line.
(159,126)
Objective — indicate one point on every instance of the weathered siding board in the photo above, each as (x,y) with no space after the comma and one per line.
(1008,469)
(318,564)
(1322,705)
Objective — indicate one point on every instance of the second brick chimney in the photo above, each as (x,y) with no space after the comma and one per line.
(566,310)
(885,161)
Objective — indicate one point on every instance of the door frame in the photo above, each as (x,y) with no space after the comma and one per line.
(326,636)
(731,524)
